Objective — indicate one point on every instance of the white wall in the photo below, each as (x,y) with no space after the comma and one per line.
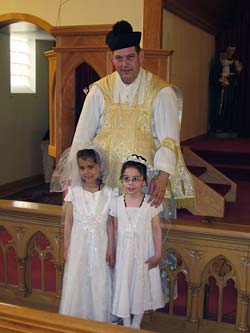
(78,12)
(193,50)
(23,118)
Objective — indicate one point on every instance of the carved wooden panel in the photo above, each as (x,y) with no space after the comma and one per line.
(31,258)
(202,262)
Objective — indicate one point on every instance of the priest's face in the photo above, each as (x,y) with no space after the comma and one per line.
(127,63)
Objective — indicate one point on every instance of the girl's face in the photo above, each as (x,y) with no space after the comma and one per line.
(132,181)
(89,171)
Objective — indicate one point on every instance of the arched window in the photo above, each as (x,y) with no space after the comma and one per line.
(22,63)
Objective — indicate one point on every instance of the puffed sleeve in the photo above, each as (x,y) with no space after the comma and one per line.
(156,210)
(68,197)
(113,206)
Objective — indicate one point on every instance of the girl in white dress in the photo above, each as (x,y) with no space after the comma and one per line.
(88,242)
(137,285)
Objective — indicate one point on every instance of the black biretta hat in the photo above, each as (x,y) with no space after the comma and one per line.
(122,36)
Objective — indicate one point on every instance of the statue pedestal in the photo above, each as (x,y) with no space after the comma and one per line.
(223,135)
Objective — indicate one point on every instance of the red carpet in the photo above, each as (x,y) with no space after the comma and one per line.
(232,158)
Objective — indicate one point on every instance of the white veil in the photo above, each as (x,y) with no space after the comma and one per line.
(66,172)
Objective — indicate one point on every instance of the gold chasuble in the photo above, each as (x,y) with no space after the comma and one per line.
(127,129)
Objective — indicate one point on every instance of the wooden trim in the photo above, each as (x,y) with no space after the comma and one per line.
(152,24)
(52,150)
(148,52)
(80,30)
(51,55)
(80,48)
(212,229)
(158,53)
(212,175)
(16,17)
(32,211)
(15,319)
(19,185)
(207,201)
(158,62)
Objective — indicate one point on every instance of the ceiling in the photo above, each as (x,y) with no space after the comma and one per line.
(211,15)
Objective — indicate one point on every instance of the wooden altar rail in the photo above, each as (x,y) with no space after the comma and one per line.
(14,319)
(26,224)
(214,248)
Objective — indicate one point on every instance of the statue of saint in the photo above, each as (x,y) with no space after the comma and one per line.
(225,93)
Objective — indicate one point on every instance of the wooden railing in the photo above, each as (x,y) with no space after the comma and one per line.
(14,319)
(206,266)
(211,274)
(31,257)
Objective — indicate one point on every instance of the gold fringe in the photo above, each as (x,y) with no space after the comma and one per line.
(184,195)
(181,202)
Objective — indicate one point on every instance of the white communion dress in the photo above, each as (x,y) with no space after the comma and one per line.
(136,289)
(86,291)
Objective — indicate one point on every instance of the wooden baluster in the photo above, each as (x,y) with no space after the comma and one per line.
(244,304)
(195,288)
(220,288)
(59,262)
(22,288)
(59,278)
(171,293)
(42,276)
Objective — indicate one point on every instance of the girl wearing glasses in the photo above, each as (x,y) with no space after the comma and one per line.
(137,284)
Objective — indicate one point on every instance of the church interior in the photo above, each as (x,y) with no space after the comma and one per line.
(205,265)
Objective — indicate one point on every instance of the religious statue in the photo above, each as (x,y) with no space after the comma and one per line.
(225,93)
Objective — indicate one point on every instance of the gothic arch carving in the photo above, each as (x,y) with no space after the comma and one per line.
(220,268)
(175,281)
(39,252)
(219,280)
(8,255)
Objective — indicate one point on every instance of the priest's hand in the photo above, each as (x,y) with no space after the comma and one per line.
(157,188)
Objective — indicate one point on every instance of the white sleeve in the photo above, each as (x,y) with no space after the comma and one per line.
(157,210)
(90,119)
(68,197)
(166,124)
(113,207)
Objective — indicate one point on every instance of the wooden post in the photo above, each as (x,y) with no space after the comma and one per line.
(22,288)
(244,302)
(194,303)
(152,24)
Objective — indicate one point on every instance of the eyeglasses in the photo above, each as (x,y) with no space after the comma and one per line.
(134,180)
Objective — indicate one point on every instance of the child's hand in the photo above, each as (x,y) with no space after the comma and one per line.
(153,262)
(110,258)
